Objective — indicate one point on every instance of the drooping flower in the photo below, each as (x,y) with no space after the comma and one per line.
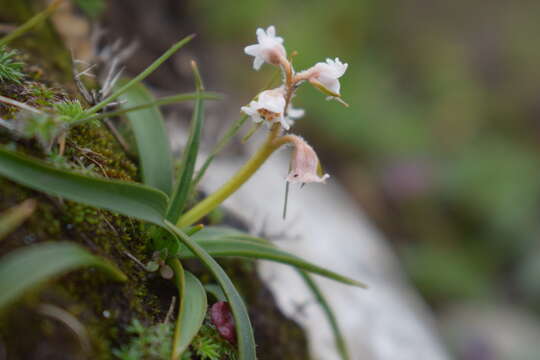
(325,75)
(305,166)
(269,48)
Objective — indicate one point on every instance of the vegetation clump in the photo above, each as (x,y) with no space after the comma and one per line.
(10,66)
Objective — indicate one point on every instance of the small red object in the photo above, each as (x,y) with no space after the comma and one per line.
(222,318)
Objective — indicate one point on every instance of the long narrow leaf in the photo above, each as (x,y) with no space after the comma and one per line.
(227,247)
(192,310)
(225,232)
(215,291)
(244,331)
(319,296)
(30,266)
(173,99)
(151,138)
(12,218)
(187,167)
(130,199)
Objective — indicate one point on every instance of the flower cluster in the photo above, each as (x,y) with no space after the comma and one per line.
(273,107)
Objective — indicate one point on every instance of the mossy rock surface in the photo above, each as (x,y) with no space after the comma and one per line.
(105,309)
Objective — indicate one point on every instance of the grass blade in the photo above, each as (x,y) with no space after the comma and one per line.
(244,331)
(148,127)
(251,247)
(130,199)
(14,217)
(187,167)
(33,21)
(143,75)
(319,296)
(30,266)
(173,99)
(193,306)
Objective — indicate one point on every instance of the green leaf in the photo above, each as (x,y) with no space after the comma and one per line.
(148,126)
(192,311)
(173,99)
(187,166)
(319,296)
(225,232)
(30,266)
(130,199)
(244,331)
(215,291)
(14,217)
(251,247)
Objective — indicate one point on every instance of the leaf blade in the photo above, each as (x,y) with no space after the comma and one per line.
(251,247)
(339,339)
(189,159)
(192,309)
(244,331)
(130,199)
(30,266)
(148,127)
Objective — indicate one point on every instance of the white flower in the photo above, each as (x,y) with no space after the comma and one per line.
(325,75)
(305,166)
(269,106)
(269,48)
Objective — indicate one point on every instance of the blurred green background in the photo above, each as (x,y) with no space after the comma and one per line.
(440,144)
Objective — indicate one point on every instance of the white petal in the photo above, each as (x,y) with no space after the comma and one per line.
(252,50)
(271,31)
(295,113)
(248,110)
(284,123)
(260,34)
(258,62)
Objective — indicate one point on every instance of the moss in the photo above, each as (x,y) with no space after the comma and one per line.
(107,234)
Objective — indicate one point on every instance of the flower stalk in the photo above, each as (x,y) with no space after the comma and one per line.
(273,107)
(244,174)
